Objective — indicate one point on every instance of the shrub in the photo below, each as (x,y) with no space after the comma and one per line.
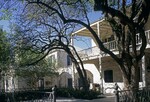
(60,92)
(70,92)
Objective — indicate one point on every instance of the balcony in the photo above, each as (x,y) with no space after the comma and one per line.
(94,52)
(90,52)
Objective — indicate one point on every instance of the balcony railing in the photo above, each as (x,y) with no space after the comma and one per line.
(89,52)
(147,33)
(95,51)
(112,45)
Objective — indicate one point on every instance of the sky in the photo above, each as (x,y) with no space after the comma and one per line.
(83,42)
(4,24)
(94,16)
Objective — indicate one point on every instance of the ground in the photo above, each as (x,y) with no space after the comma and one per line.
(106,99)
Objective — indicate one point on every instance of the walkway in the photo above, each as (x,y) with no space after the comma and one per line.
(107,99)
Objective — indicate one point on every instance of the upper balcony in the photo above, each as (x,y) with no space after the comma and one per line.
(94,52)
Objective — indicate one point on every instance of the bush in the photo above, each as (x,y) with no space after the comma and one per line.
(85,95)
(60,92)
(70,92)
(64,92)
(3,97)
(22,95)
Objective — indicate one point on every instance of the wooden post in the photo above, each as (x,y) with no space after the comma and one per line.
(116,93)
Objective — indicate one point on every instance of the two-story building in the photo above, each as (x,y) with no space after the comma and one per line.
(101,68)
(102,71)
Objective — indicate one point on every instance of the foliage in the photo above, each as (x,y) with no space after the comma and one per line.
(5,52)
(41,69)
(35,72)
(22,95)
(75,93)
(26,55)
(4,47)
(7,9)
(60,92)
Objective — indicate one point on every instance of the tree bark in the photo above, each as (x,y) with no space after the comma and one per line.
(131,84)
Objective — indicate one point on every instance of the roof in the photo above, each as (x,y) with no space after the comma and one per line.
(101,27)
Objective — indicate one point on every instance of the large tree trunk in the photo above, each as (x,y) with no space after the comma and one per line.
(131,82)
(85,84)
(80,69)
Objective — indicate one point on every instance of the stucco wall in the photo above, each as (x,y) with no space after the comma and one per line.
(110,64)
(93,69)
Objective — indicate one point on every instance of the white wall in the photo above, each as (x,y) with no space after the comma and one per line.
(93,43)
(92,68)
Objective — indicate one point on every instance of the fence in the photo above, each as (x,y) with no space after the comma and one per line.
(142,95)
(31,96)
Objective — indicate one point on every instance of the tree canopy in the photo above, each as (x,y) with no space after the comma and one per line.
(5,51)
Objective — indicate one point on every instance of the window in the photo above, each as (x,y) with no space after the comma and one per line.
(48,83)
(108,76)
(80,83)
(7,84)
(41,83)
(105,40)
(111,38)
(70,82)
(140,74)
(52,58)
(68,60)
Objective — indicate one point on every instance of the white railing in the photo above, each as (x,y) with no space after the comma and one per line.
(112,45)
(147,33)
(89,52)
(95,51)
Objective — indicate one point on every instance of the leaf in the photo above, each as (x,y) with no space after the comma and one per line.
(6,14)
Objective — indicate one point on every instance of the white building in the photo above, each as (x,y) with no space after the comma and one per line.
(102,69)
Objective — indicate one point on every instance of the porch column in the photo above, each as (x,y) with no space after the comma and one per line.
(5,83)
(143,72)
(72,66)
(73,76)
(100,61)
(100,72)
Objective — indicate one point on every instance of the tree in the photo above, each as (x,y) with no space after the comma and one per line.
(36,72)
(51,36)
(7,8)
(42,42)
(5,58)
(127,24)
(127,18)
(26,57)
